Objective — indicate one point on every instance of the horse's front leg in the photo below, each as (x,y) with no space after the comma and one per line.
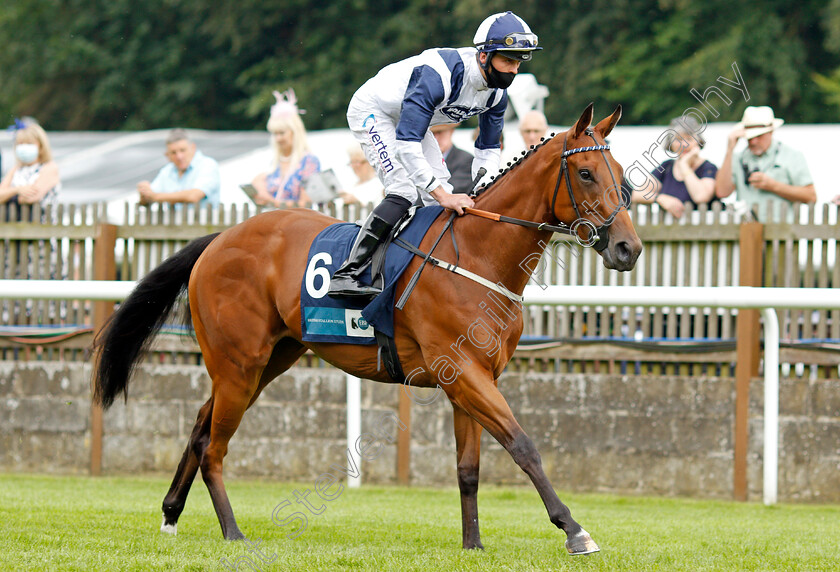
(468,446)
(475,392)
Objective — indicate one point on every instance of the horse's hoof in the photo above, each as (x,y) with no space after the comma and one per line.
(169,528)
(235,535)
(581,543)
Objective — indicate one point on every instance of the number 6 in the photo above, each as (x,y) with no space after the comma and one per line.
(312,272)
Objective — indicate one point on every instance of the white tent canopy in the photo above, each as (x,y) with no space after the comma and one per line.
(107,166)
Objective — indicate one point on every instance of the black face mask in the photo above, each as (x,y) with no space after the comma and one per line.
(497,79)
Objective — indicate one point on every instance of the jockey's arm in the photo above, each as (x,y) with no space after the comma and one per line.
(422,96)
(487,151)
(410,156)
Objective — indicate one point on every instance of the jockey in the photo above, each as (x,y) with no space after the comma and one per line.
(390,116)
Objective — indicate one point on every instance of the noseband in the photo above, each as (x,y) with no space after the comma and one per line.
(598,237)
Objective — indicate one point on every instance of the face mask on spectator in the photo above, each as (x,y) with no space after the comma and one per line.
(26,153)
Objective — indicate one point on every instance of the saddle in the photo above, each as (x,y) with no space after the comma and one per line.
(325,319)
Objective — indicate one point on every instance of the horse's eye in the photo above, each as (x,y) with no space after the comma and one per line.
(585,174)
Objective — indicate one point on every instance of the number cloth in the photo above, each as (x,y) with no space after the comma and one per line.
(326,319)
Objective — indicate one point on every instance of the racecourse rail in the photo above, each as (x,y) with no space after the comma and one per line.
(742,297)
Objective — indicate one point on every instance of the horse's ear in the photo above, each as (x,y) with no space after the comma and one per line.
(606,125)
(584,121)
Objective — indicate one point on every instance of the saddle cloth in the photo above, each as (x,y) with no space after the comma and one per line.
(326,319)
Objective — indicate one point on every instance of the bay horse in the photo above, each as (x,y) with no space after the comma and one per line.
(244,299)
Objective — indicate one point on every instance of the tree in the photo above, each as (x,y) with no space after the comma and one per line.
(121,64)
(690,44)
(829,82)
(116,64)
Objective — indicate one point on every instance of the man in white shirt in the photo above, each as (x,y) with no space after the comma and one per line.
(189,177)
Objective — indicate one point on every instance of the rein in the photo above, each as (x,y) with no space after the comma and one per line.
(428,258)
(597,237)
(562,228)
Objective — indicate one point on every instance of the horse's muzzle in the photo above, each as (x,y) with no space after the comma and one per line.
(622,255)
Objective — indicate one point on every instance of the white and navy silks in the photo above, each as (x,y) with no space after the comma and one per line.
(391,113)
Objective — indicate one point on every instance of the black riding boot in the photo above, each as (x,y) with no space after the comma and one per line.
(345,282)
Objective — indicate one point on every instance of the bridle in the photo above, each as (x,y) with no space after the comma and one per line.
(598,237)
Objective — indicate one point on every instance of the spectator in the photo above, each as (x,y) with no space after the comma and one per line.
(189,177)
(34,177)
(368,188)
(688,177)
(458,161)
(767,171)
(533,127)
(292,161)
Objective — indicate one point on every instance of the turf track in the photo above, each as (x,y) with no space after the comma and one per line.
(79,523)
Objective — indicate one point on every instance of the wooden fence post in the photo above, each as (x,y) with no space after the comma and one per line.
(404,439)
(104,268)
(747,349)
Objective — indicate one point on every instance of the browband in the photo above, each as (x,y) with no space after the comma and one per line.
(583,149)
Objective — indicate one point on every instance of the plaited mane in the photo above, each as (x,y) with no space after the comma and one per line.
(515,163)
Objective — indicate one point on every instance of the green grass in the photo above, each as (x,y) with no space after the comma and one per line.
(79,523)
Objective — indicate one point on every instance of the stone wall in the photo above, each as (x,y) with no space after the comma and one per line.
(610,433)
(44,417)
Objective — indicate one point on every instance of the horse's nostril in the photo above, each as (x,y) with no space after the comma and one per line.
(622,252)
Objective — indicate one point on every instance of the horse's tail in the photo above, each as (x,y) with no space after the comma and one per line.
(131,328)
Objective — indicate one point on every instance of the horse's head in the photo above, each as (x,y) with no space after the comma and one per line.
(592,202)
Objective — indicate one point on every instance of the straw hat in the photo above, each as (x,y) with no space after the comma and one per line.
(759,120)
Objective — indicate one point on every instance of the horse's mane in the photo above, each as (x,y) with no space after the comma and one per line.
(515,163)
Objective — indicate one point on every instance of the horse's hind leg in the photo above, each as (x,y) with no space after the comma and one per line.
(233,393)
(285,354)
(468,446)
(231,397)
(176,498)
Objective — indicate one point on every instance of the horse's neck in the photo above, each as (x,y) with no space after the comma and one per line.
(511,251)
